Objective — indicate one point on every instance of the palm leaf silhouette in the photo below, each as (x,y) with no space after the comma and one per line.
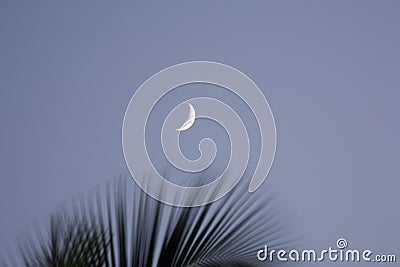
(121,229)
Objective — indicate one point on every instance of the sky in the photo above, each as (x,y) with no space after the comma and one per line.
(330,72)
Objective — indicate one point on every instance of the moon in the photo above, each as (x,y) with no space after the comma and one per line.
(189,121)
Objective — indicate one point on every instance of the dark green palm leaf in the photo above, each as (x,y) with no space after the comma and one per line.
(139,231)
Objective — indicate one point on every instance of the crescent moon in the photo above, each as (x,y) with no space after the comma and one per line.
(189,121)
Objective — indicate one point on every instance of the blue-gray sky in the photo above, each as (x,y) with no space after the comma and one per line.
(330,71)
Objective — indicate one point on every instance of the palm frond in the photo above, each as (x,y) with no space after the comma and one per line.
(136,230)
